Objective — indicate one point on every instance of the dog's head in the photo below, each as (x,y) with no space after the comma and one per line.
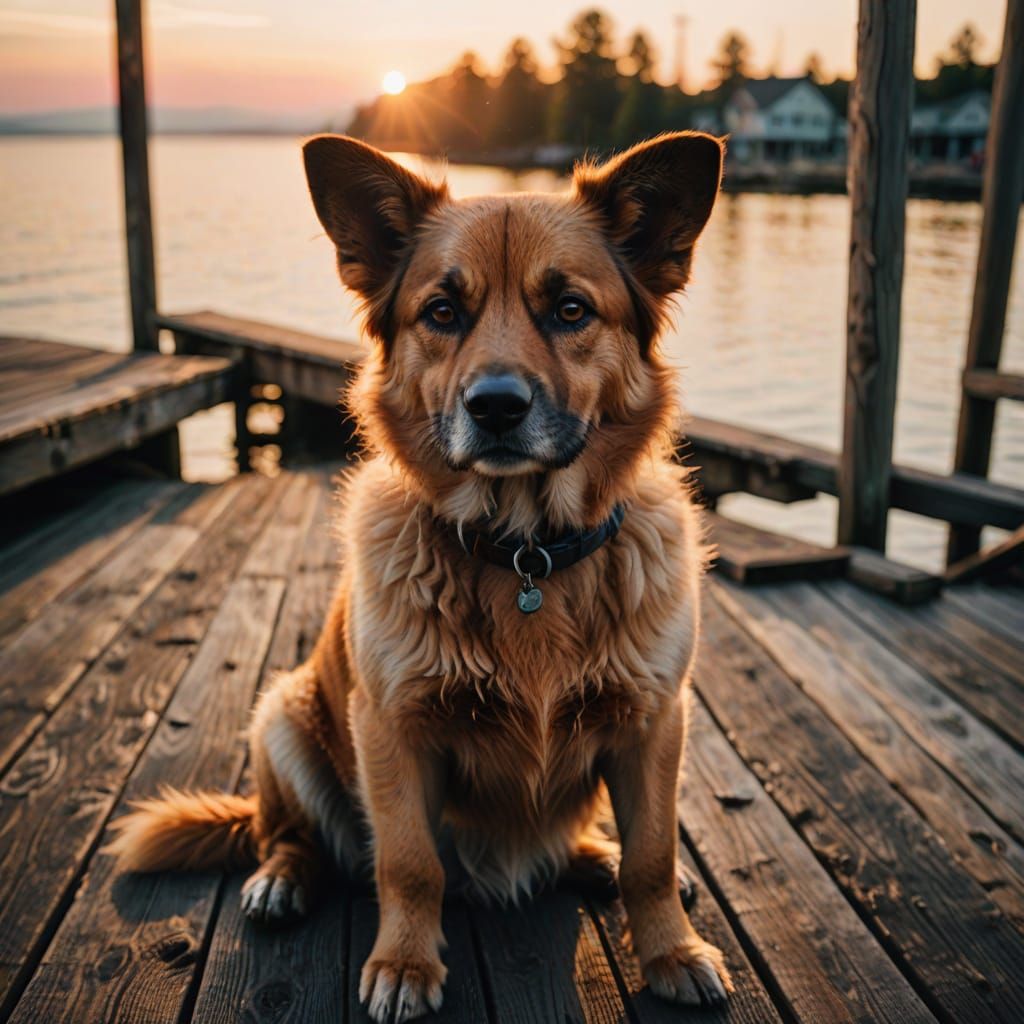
(515,333)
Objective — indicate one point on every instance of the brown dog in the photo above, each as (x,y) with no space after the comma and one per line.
(517,617)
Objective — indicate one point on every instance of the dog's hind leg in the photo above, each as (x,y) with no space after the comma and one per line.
(301,798)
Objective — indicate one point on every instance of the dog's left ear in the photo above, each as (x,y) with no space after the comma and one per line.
(655,200)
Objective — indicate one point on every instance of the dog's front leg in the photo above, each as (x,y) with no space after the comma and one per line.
(402,786)
(642,781)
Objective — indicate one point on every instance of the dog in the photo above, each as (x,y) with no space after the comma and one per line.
(510,645)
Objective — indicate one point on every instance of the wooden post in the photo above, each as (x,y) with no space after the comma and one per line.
(880,105)
(1002,192)
(134,150)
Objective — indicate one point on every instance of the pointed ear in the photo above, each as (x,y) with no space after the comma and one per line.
(655,200)
(370,208)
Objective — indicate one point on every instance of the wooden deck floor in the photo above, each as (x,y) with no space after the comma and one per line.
(854,810)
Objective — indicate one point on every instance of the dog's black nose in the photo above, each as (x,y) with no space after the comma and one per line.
(498,402)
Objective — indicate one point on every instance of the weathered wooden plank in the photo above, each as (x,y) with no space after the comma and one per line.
(981,671)
(1001,195)
(544,962)
(993,384)
(997,609)
(269,975)
(938,923)
(464,997)
(977,840)
(306,366)
(127,947)
(821,960)
(979,759)
(881,97)
(749,1004)
(57,795)
(50,560)
(135,163)
(43,662)
(782,463)
(751,555)
(901,583)
(991,562)
(145,397)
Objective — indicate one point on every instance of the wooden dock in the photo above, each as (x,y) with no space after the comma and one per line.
(63,406)
(854,809)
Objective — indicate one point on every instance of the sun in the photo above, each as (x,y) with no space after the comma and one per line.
(393,83)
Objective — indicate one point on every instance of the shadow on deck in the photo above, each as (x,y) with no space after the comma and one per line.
(854,801)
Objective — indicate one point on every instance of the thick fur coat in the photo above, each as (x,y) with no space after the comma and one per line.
(514,382)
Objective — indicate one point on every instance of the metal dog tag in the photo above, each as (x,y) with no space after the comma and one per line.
(529,598)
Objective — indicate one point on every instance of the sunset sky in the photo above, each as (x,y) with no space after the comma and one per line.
(298,56)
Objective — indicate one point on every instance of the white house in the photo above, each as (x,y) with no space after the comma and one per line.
(952,130)
(781,119)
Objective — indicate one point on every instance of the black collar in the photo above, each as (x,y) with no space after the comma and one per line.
(540,558)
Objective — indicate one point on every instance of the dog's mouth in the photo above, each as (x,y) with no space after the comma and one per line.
(545,442)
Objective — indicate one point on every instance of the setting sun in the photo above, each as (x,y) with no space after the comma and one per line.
(393,83)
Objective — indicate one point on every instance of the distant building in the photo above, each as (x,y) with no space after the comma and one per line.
(951,131)
(782,119)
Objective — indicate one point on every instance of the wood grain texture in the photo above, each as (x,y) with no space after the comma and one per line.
(881,97)
(938,923)
(748,554)
(79,405)
(820,959)
(544,961)
(127,947)
(42,663)
(1001,195)
(998,610)
(55,799)
(980,670)
(901,583)
(54,558)
(992,562)
(799,630)
(294,975)
(984,764)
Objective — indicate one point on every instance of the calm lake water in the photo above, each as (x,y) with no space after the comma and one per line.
(759,337)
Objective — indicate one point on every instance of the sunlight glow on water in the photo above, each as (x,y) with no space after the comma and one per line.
(759,336)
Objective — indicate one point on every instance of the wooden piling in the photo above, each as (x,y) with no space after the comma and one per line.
(1002,191)
(880,106)
(135,157)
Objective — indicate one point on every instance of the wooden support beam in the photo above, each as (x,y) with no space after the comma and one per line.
(990,563)
(880,104)
(1001,193)
(135,157)
(991,384)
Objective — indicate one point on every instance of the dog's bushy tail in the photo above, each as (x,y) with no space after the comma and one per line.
(180,831)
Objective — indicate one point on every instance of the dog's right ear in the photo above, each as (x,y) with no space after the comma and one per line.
(369,206)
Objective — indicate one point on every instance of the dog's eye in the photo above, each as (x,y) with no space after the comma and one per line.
(571,312)
(441,313)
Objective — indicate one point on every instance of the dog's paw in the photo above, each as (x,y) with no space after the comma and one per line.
(693,974)
(395,991)
(273,899)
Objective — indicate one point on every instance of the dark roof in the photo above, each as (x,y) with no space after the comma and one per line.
(767,90)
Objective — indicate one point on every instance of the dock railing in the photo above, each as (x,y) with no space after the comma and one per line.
(862,475)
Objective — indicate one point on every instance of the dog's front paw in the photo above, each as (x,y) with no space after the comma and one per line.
(400,990)
(273,899)
(692,974)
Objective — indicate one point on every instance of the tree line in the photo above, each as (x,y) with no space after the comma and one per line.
(600,95)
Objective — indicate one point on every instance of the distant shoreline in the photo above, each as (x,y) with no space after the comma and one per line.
(827,179)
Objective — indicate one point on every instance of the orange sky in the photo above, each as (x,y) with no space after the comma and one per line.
(323,55)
